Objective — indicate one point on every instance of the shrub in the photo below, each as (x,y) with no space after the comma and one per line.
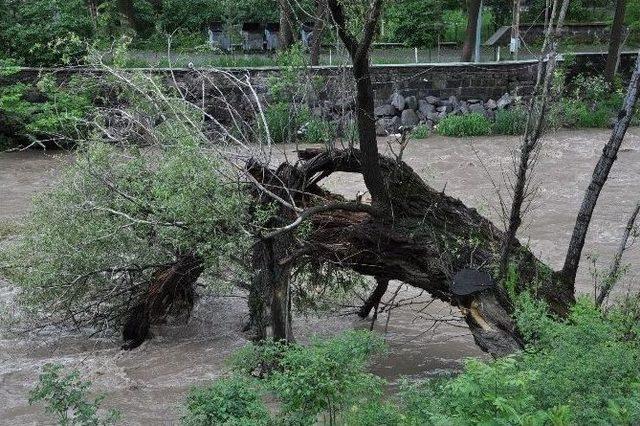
(45,110)
(318,131)
(510,122)
(325,377)
(169,201)
(281,121)
(474,124)
(67,400)
(420,132)
(230,401)
(575,113)
(328,375)
(583,370)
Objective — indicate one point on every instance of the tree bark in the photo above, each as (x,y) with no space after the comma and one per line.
(473,8)
(533,129)
(365,118)
(600,175)
(615,41)
(172,288)
(374,299)
(288,28)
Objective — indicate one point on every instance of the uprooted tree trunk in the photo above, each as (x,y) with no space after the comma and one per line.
(171,290)
(410,233)
(429,237)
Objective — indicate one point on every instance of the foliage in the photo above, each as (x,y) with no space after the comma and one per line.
(324,377)
(115,215)
(317,130)
(473,124)
(233,400)
(510,121)
(401,25)
(420,132)
(67,400)
(582,370)
(46,110)
(44,32)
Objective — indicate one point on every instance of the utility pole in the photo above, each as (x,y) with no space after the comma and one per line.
(478,33)
(515,30)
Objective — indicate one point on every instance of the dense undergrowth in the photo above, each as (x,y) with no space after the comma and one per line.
(581,370)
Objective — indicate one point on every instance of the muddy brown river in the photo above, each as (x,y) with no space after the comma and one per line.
(149,384)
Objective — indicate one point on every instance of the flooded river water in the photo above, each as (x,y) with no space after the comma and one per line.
(149,383)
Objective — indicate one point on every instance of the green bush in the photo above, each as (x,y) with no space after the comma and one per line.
(44,32)
(583,370)
(420,132)
(229,401)
(325,378)
(318,131)
(67,400)
(510,122)
(282,122)
(474,124)
(575,113)
(176,200)
(45,110)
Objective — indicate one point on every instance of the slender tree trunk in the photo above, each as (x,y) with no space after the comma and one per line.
(374,299)
(287,24)
(613,274)
(318,30)
(615,41)
(600,175)
(533,129)
(473,8)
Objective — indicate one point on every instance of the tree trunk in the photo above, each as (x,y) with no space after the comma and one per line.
(600,175)
(318,30)
(614,271)
(473,8)
(615,41)
(287,25)
(374,300)
(171,289)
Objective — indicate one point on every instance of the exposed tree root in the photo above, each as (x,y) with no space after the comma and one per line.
(171,290)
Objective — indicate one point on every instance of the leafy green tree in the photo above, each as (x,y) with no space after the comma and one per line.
(66,398)
(43,32)
(414,22)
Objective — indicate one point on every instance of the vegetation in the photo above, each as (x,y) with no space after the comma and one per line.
(168,202)
(67,401)
(473,124)
(45,111)
(580,370)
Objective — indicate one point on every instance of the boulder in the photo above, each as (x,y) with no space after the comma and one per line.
(432,100)
(411,102)
(409,118)
(473,101)
(385,111)
(476,108)
(504,101)
(491,104)
(397,100)
(425,107)
(464,108)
